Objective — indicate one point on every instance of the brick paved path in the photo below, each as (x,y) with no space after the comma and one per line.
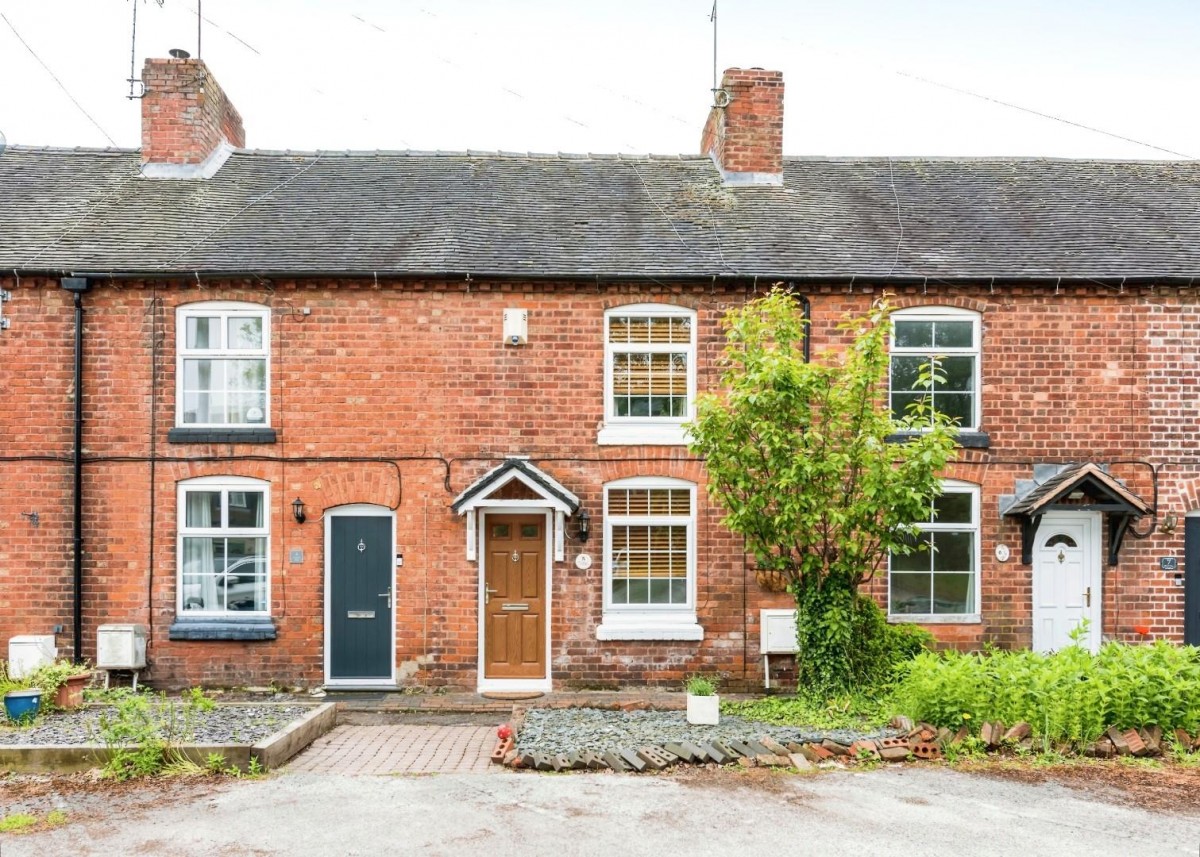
(388,749)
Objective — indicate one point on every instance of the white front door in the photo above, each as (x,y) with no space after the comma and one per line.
(1066,580)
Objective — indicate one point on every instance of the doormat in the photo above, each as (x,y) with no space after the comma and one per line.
(512,697)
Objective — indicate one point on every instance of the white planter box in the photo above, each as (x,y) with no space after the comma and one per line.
(704,710)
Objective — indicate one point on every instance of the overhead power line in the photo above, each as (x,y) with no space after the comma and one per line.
(1033,112)
(990,99)
(61,85)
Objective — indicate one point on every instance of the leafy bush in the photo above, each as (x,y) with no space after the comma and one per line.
(878,648)
(1070,695)
(143,733)
(699,685)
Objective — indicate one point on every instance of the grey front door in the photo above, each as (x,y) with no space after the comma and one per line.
(360,612)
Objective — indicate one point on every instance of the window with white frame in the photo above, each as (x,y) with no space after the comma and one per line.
(649,373)
(939,580)
(222,365)
(224,532)
(946,339)
(650,560)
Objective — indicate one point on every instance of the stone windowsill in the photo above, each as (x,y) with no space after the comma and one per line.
(919,619)
(965,439)
(222,628)
(221,435)
(685,629)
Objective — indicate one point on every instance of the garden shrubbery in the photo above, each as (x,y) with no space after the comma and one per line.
(1069,696)
(879,649)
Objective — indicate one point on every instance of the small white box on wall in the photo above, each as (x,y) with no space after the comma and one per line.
(516,326)
(777,636)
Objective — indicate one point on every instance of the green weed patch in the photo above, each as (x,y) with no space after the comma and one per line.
(1070,696)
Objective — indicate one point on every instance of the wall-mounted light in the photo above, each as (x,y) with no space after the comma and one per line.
(298,510)
(585,525)
(1169,522)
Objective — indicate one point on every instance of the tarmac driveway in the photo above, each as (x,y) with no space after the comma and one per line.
(901,810)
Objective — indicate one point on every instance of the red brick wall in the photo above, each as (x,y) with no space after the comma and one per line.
(185,113)
(417,374)
(747,135)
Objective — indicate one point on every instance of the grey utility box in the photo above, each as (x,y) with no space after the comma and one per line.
(121,647)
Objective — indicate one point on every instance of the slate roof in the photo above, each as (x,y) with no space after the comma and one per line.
(592,216)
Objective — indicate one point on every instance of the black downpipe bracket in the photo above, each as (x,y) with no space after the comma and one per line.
(77,286)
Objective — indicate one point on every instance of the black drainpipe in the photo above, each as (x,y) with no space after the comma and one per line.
(77,286)
(806,313)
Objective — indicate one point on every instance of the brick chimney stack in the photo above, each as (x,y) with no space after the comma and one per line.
(189,126)
(744,131)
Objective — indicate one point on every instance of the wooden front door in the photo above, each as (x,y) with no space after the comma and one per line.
(514,599)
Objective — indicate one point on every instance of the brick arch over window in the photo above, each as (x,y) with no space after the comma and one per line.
(690,302)
(181,471)
(680,468)
(925,302)
(373,484)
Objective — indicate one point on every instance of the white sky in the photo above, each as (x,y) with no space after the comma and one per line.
(622,76)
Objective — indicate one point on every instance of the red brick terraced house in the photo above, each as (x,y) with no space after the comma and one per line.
(380,419)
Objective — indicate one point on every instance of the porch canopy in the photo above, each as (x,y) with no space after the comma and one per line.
(517,483)
(1079,488)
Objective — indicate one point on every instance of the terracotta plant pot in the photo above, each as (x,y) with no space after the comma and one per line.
(70,693)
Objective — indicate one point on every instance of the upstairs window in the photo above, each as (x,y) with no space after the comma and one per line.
(649,375)
(948,340)
(222,366)
(223,536)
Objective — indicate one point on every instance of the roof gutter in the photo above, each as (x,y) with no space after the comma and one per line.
(471,276)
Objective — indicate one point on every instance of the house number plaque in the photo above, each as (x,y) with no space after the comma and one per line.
(361,546)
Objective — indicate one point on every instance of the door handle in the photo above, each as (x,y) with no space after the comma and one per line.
(1087,597)
(488,593)
(388,596)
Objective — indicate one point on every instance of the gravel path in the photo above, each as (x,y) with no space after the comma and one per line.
(225,724)
(561,730)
